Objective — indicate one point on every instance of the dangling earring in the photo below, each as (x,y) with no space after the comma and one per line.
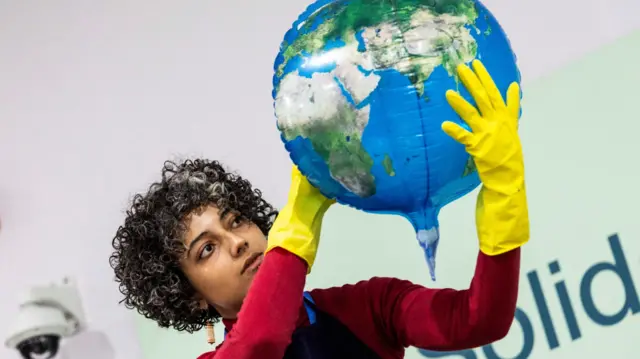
(211,335)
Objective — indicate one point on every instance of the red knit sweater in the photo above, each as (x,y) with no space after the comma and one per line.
(387,314)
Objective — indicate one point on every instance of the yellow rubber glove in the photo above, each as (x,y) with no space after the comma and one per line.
(502,216)
(297,227)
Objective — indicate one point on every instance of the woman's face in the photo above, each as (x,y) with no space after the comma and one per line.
(221,259)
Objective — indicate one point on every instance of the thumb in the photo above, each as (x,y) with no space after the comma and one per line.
(456,132)
(297,178)
(513,101)
(302,190)
(300,186)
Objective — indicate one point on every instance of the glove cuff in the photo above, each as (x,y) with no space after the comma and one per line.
(502,221)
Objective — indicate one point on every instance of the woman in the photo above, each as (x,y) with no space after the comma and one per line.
(194,250)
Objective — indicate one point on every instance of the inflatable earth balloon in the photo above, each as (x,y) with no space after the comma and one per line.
(359,91)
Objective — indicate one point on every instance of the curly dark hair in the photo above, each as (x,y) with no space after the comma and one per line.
(148,247)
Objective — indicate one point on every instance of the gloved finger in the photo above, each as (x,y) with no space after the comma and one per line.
(456,132)
(475,88)
(513,100)
(300,185)
(489,85)
(296,179)
(295,172)
(464,109)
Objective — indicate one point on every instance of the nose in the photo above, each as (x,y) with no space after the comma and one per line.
(239,245)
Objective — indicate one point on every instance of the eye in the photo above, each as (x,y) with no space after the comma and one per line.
(206,251)
(237,222)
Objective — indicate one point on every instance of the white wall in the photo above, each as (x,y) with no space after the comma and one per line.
(95,95)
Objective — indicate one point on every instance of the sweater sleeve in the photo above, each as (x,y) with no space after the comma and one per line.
(391,314)
(269,312)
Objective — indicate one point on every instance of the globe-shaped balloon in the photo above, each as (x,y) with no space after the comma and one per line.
(359,92)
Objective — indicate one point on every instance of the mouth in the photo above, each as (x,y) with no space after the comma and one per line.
(252,263)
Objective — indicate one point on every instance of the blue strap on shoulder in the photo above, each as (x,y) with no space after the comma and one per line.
(311,313)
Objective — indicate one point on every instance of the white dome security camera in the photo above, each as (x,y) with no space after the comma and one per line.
(46,315)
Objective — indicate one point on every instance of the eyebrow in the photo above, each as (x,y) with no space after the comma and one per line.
(195,241)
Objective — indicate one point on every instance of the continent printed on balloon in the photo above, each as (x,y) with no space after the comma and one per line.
(357,84)
(384,43)
(352,69)
(431,40)
(413,42)
(317,109)
(302,100)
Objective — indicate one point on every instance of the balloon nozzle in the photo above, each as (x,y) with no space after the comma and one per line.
(428,239)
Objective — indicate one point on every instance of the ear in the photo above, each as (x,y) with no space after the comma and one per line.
(202,303)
